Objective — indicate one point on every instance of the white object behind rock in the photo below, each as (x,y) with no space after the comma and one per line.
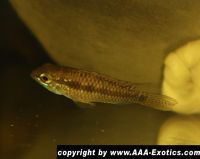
(182,78)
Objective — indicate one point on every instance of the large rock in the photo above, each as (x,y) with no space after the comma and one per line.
(125,39)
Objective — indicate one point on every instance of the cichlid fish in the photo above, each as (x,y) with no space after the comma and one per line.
(91,87)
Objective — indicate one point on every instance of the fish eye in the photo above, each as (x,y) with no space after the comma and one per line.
(44,78)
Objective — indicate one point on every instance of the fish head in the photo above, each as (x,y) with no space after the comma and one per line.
(47,75)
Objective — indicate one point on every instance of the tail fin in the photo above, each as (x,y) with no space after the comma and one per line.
(157,101)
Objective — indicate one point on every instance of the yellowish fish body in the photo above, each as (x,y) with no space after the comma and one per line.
(91,87)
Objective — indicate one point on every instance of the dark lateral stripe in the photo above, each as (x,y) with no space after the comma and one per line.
(89,88)
(142,98)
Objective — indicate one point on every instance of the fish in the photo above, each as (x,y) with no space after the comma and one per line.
(91,87)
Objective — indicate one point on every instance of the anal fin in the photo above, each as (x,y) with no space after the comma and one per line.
(85,104)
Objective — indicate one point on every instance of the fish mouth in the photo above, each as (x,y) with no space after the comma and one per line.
(34,75)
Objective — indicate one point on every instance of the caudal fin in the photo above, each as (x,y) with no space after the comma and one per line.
(157,101)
